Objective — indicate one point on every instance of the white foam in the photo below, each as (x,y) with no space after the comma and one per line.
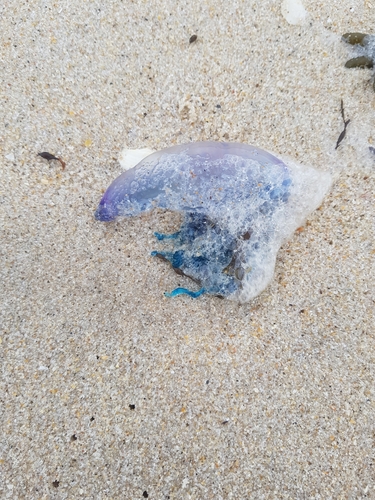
(308,190)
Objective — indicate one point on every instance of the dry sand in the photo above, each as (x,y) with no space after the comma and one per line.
(108,389)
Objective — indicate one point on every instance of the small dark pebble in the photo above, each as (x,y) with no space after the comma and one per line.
(372,150)
(218,106)
(193,38)
(92,419)
(73,438)
(225,422)
(56,484)
(145,494)
(132,407)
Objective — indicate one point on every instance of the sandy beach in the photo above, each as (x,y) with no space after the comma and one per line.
(109,389)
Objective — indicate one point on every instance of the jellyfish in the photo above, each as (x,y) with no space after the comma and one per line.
(239,204)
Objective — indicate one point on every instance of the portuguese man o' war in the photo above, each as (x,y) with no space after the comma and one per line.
(239,202)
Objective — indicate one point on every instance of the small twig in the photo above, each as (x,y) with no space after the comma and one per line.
(346,123)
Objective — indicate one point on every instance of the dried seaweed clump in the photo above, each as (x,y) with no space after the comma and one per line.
(365,51)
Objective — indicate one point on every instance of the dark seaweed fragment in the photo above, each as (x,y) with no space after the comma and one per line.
(342,135)
(49,157)
(346,123)
(365,47)
(359,62)
(355,38)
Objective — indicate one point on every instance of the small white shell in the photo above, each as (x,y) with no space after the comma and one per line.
(129,158)
(293,11)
